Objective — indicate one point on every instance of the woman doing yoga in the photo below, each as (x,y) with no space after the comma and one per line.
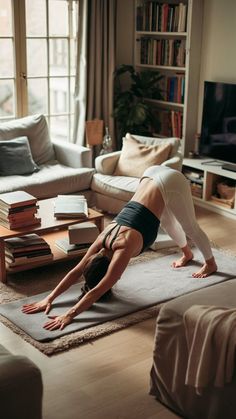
(162,197)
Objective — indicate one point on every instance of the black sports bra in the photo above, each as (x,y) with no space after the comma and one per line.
(138,217)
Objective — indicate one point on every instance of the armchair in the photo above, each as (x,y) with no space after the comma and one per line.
(111,192)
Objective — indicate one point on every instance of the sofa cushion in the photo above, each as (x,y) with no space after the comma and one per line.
(136,157)
(120,187)
(52,179)
(35,128)
(16,157)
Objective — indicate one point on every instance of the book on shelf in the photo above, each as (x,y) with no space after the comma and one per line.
(27,260)
(26,249)
(70,206)
(16,199)
(81,233)
(71,249)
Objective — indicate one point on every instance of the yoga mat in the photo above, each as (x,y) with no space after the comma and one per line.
(142,285)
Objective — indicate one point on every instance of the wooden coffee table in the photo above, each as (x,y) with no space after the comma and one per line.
(51,230)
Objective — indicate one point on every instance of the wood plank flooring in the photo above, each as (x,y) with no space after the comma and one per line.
(109,378)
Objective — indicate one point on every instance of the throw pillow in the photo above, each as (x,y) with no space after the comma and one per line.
(16,157)
(35,128)
(136,157)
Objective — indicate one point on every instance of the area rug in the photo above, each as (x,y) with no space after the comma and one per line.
(148,281)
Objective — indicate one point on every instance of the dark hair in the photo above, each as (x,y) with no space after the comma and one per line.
(94,271)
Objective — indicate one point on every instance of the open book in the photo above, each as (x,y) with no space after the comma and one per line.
(70,206)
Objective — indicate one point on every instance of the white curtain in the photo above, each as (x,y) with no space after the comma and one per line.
(95,65)
(81,75)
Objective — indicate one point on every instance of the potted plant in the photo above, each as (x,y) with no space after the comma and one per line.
(132,112)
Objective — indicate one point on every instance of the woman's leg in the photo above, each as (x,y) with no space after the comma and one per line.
(180,203)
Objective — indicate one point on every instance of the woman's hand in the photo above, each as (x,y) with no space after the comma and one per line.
(58,322)
(43,305)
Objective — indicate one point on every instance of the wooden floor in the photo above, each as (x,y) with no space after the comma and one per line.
(109,378)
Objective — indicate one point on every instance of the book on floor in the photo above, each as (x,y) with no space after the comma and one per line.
(71,249)
(163,240)
(70,206)
(86,232)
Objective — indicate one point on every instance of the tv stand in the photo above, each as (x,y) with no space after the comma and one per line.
(229,166)
(204,176)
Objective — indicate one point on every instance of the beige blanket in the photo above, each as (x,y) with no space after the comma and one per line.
(211,340)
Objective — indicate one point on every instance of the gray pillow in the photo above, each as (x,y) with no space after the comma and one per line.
(16,157)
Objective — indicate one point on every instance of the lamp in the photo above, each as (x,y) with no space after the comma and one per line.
(94,132)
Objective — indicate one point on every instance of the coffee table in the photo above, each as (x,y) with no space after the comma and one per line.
(51,229)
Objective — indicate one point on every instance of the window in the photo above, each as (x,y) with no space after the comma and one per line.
(38,61)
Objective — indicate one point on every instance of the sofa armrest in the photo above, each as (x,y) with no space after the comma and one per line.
(174,162)
(72,155)
(106,163)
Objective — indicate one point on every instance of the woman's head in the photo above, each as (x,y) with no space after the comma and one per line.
(94,271)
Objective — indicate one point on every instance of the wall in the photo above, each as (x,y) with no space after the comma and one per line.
(218,57)
(125,32)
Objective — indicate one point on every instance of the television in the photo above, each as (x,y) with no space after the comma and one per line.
(218,131)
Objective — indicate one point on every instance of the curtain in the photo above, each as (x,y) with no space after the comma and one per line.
(96,64)
(81,74)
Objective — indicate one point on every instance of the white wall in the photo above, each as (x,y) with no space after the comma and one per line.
(218,57)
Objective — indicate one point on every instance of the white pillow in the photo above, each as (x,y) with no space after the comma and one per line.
(35,128)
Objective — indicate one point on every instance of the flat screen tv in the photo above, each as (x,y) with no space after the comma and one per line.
(218,132)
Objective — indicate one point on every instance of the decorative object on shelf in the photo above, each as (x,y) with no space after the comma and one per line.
(107,143)
(133,113)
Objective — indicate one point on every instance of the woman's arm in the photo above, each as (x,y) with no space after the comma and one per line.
(65,283)
(119,262)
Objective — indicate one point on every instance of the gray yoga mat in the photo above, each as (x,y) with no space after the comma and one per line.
(142,285)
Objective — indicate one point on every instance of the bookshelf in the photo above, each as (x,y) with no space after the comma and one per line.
(168,39)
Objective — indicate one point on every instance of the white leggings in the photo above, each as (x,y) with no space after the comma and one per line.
(178,218)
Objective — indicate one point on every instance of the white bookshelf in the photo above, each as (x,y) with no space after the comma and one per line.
(211,173)
(191,37)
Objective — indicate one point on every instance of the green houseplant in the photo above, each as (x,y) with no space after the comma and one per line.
(132,112)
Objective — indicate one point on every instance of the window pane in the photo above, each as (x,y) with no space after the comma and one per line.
(6,98)
(58,57)
(73,52)
(72,91)
(6,64)
(37,96)
(58,18)
(35,17)
(5,18)
(59,127)
(58,95)
(37,57)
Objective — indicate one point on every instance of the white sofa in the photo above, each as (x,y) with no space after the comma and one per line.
(112,192)
(63,167)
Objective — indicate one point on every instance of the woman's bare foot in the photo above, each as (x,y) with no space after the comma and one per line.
(187,256)
(207,269)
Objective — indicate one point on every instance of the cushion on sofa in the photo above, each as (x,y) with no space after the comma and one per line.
(136,157)
(16,157)
(121,187)
(35,128)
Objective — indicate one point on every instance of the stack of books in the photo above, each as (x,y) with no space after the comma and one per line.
(80,237)
(70,206)
(18,209)
(27,249)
